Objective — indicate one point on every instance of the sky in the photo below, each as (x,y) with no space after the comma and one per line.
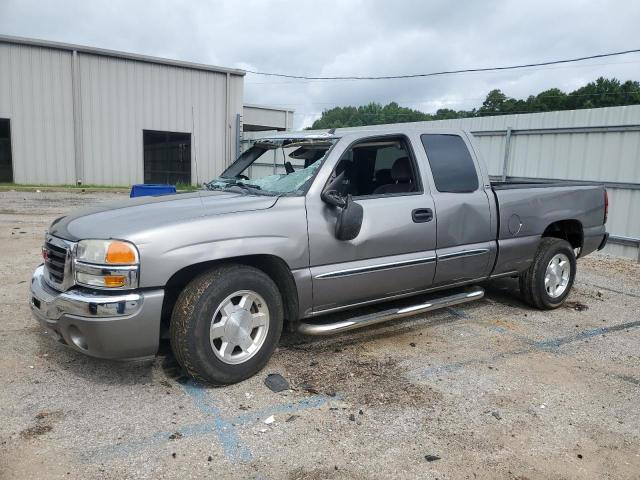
(356,37)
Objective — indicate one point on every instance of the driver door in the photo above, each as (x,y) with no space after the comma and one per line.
(394,252)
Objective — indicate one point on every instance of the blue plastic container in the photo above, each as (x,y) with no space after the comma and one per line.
(148,189)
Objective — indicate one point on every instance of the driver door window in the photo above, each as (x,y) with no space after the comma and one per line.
(370,169)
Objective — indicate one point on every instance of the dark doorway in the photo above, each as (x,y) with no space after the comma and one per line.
(6,166)
(167,157)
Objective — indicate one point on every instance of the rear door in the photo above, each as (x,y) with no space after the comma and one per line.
(465,243)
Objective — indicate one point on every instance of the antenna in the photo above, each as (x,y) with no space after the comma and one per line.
(195,150)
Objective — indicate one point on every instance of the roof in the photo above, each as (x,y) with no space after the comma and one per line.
(372,130)
(117,54)
(268,107)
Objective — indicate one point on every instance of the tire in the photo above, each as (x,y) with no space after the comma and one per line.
(193,325)
(532,281)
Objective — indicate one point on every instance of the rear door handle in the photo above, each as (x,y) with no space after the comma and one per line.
(422,215)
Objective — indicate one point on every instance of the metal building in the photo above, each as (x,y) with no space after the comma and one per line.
(72,114)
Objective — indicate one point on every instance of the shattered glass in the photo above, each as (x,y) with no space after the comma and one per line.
(283,183)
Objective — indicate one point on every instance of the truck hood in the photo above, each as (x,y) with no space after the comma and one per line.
(124,219)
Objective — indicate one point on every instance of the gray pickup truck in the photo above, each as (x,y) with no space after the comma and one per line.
(299,227)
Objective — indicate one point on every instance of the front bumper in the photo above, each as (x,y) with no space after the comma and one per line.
(119,325)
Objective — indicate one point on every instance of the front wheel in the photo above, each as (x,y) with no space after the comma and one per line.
(226,324)
(548,281)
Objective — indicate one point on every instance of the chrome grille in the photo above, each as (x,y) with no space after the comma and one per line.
(57,261)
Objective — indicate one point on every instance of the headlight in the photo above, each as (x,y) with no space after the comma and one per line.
(106,264)
(110,252)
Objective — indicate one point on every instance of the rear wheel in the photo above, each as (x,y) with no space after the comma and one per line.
(226,324)
(548,281)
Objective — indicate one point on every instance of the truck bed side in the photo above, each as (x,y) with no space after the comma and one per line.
(526,212)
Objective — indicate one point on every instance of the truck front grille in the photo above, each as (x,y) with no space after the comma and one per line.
(56,262)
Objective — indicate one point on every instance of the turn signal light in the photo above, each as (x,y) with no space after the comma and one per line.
(114,281)
(120,253)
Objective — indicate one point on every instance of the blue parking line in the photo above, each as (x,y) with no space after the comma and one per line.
(558,342)
(553,345)
(223,427)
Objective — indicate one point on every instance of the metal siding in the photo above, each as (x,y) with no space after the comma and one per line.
(596,156)
(269,118)
(121,98)
(36,96)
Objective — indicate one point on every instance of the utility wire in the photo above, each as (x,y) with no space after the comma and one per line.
(304,83)
(447,72)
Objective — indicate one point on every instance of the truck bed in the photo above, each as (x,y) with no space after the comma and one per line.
(526,210)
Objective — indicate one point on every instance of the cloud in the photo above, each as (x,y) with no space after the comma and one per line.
(358,37)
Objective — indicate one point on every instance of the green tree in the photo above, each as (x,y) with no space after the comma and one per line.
(602,92)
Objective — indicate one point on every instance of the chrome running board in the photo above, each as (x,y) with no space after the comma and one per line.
(306,328)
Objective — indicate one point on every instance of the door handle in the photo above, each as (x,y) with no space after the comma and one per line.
(422,215)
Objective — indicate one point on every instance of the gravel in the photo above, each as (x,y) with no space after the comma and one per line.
(564,385)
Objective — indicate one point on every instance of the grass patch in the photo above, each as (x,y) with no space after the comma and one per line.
(180,186)
(63,185)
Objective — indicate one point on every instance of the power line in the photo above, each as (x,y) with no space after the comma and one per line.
(305,83)
(446,72)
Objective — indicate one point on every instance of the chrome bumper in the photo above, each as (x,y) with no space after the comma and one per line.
(120,325)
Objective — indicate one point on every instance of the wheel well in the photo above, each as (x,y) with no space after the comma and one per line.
(273,266)
(569,230)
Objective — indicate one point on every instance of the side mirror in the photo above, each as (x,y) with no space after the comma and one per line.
(334,198)
(349,220)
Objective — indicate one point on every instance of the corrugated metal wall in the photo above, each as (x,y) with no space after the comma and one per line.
(567,145)
(36,96)
(602,156)
(266,118)
(121,98)
(116,99)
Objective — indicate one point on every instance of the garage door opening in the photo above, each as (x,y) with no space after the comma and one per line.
(6,165)
(167,157)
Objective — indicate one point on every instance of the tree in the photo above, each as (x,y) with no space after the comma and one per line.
(601,93)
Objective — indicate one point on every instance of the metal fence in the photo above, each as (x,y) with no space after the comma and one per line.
(624,195)
(599,146)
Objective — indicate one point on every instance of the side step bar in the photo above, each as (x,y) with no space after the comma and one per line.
(470,295)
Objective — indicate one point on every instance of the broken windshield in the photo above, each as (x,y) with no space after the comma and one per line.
(275,166)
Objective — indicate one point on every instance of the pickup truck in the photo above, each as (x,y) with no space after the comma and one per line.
(299,227)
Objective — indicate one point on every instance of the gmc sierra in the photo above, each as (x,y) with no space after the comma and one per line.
(300,226)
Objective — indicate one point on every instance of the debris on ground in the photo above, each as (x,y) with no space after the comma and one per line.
(352,417)
(36,431)
(307,387)
(270,420)
(292,418)
(497,415)
(577,306)
(412,344)
(431,458)
(276,382)
(175,436)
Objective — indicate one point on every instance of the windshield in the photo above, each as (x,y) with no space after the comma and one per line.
(275,166)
